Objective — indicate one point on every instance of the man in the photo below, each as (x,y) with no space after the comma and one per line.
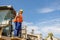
(18,23)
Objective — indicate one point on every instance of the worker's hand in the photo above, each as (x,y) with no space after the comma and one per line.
(14,20)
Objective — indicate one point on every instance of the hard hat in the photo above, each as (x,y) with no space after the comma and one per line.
(21,10)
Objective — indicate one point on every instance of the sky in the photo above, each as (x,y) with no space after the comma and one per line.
(41,15)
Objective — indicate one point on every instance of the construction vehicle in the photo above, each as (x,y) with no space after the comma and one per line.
(7,13)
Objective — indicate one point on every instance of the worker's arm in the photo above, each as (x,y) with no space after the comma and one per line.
(15,19)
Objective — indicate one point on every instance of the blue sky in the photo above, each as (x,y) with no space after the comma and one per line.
(41,15)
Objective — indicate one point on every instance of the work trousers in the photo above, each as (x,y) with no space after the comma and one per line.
(17,29)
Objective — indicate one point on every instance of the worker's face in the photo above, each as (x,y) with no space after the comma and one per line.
(20,12)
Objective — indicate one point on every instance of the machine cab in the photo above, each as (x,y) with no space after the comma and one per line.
(7,13)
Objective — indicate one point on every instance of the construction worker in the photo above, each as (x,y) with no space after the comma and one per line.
(18,23)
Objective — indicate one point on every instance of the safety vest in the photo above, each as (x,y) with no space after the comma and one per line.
(18,18)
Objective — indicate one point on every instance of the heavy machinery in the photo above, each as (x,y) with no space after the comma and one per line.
(7,13)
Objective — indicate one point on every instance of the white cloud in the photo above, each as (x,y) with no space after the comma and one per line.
(55,5)
(50,26)
(45,27)
(53,29)
(31,26)
(51,22)
(45,10)
(27,23)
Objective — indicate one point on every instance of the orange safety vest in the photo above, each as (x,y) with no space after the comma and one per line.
(18,19)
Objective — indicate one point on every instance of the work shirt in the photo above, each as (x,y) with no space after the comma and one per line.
(18,18)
